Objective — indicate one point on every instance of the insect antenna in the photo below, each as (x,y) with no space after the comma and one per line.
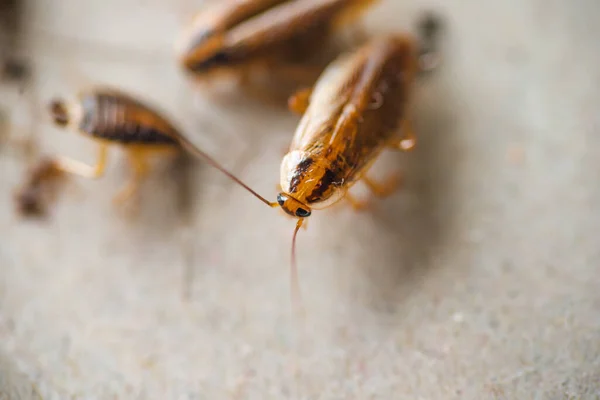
(294,281)
(194,150)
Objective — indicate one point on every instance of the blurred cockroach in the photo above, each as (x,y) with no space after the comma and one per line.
(357,108)
(112,117)
(279,36)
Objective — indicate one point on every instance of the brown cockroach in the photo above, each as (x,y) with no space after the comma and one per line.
(358,107)
(242,36)
(112,117)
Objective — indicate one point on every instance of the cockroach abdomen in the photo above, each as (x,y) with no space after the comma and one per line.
(110,117)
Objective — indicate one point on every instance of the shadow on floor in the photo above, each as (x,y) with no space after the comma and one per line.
(415,224)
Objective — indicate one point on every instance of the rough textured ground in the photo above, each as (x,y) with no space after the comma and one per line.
(479,280)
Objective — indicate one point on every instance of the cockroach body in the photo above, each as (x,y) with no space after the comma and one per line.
(281,35)
(111,117)
(114,117)
(356,109)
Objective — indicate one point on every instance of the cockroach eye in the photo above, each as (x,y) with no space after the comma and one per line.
(280,199)
(302,213)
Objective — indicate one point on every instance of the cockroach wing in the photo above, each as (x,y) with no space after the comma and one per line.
(330,94)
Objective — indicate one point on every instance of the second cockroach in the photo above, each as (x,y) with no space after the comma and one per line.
(112,117)
(279,36)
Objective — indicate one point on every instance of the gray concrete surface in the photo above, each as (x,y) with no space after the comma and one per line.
(479,280)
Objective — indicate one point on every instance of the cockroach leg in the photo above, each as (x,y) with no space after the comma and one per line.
(386,188)
(357,205)
(300,101)
(139,164)
(78,168)
(408,140)
(407,143)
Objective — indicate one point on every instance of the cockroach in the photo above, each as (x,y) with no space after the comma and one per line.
(279,36)
(112,117)
(358,107)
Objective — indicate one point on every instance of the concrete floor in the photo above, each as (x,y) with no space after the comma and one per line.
(479,280)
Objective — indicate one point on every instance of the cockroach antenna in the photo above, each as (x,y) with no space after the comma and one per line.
(194,150)
(294,280)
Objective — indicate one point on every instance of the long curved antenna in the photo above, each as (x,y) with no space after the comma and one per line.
(194,150)
(294,281)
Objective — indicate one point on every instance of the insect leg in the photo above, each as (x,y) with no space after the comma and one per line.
(386,188)
(139,163)
(408,140)
(356,204)
(300,101)
(78,168)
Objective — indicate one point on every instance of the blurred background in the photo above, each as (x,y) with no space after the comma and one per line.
(478,280)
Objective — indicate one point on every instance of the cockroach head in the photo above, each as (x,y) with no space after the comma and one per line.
(59,112)
(292,206)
